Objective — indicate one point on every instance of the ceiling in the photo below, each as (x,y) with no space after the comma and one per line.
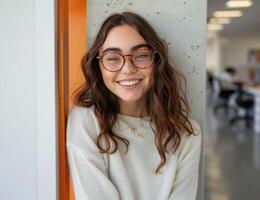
(247,25)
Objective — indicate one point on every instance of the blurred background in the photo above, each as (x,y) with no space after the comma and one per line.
(232,137)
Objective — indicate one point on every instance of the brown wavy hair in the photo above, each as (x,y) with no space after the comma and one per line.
(166,103)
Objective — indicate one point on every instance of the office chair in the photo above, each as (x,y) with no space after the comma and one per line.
(246,102)
(222,96)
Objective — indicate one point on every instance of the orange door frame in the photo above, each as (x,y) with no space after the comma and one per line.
(71,46)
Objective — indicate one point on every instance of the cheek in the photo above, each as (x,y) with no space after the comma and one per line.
(108,77)
(150,76)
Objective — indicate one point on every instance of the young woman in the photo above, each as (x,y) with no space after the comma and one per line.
(130,136)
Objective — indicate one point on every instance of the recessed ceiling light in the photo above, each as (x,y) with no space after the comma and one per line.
(224,20)
(239,3)
(220,21)
(214,27)
(231,13)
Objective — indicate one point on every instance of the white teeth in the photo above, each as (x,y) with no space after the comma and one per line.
(128,83)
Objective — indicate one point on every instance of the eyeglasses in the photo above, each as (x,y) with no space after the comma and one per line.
(114,61)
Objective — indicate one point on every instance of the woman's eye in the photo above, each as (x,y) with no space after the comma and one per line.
(112,59)
(142,55)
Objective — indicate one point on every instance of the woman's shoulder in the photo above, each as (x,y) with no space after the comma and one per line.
(81,111)
(195,125)
(194,139)
(82,123)
(80,114)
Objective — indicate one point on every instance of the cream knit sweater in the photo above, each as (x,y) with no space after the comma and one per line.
(129,176)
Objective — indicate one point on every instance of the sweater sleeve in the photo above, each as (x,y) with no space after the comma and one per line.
(186,178)
(86,164)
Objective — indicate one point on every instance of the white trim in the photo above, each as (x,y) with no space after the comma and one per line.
(47,165)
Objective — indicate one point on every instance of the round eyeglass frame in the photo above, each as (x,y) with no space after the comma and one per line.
(131,56)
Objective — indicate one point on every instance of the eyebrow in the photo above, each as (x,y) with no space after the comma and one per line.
(132,49)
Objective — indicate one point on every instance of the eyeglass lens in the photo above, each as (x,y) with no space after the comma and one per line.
(114,61)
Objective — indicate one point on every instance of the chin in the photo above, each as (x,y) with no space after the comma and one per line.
(130,99)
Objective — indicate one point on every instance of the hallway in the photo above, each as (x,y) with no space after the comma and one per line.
(232,159)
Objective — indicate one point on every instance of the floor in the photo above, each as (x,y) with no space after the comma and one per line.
(232,159)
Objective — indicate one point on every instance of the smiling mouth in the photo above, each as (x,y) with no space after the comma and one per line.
(129,83)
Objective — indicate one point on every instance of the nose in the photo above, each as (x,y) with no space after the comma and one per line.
(128,66)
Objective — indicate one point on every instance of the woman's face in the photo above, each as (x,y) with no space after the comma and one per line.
(130,84)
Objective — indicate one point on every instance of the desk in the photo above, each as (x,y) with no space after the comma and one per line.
(255,90)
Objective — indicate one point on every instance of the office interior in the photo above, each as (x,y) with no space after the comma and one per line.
(232,136)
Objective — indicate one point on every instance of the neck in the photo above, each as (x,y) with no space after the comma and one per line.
(134,109)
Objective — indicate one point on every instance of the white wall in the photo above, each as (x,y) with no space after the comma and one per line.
(234,50)
(183,25)
(214,60)
(27,100)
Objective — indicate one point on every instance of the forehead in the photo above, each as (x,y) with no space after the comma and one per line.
(123,37)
